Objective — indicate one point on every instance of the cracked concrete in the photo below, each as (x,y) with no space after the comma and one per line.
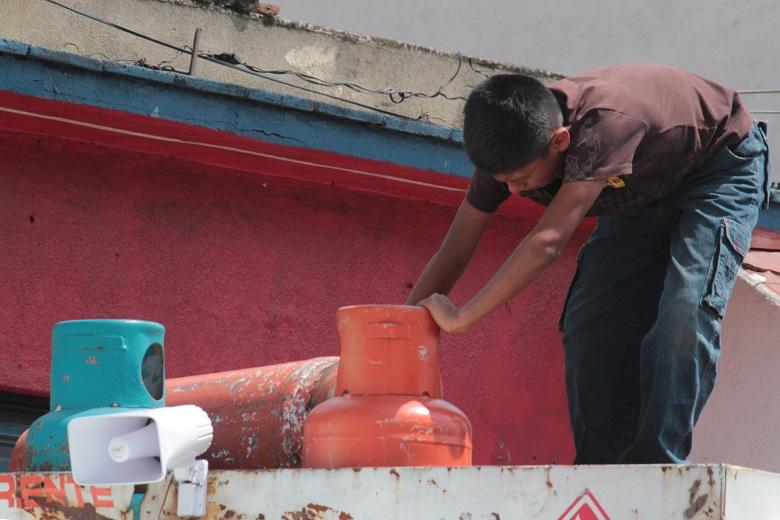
(272,134)
(270,44)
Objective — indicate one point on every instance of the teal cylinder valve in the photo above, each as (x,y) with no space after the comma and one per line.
(97,367)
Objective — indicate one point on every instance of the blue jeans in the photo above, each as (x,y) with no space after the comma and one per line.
(641,323)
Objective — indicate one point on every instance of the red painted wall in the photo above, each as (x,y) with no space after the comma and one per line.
(245,269)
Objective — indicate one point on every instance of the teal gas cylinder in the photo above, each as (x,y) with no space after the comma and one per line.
(97,367)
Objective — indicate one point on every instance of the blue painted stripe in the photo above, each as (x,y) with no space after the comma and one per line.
(250,112)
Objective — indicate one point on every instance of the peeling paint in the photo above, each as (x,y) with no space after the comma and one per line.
(258,413)
(475,493)
(316,60)
(314,512)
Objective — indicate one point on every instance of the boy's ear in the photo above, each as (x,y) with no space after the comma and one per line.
(561,139)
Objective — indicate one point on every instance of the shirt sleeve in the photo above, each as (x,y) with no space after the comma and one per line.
(486,193)
(603,145)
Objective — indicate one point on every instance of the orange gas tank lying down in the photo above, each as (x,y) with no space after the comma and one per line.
(388,410)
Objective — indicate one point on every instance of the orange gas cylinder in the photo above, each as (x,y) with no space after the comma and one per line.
(389,410)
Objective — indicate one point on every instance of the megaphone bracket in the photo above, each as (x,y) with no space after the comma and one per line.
(192,488)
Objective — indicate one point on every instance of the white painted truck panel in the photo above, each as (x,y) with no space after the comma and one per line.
(476,493)
(651,492)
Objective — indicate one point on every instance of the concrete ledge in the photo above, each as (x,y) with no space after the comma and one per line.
(268,116)
(400,124)
(333,56)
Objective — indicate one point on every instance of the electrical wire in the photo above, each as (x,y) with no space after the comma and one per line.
(275,80)
(229,60)
(397,96)
(116,26)
(478,71)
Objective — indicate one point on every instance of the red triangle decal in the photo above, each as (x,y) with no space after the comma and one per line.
(586,507)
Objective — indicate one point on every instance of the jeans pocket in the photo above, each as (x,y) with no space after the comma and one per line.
(571,286)
(732,245)
(749,148)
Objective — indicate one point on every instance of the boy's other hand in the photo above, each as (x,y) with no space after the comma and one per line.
(445,314)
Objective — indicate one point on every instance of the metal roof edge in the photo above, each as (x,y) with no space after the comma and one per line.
(398,124)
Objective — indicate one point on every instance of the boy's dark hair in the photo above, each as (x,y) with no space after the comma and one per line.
(507,122)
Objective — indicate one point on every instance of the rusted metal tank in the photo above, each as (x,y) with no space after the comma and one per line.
(98,367)
(17,454)
(389,410)
(257,413)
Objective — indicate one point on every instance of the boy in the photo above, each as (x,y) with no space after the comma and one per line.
(676,170)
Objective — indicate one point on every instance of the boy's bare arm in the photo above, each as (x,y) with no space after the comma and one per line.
(537,250)
(449,262)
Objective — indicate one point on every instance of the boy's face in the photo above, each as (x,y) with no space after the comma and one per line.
(536,174)
(542,170)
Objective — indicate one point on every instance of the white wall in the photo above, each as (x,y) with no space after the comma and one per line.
(736,43)
(741,422)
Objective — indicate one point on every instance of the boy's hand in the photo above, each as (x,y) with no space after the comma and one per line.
(445,314)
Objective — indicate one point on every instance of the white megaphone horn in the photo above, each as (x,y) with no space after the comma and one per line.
(142,446)
(134,445)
